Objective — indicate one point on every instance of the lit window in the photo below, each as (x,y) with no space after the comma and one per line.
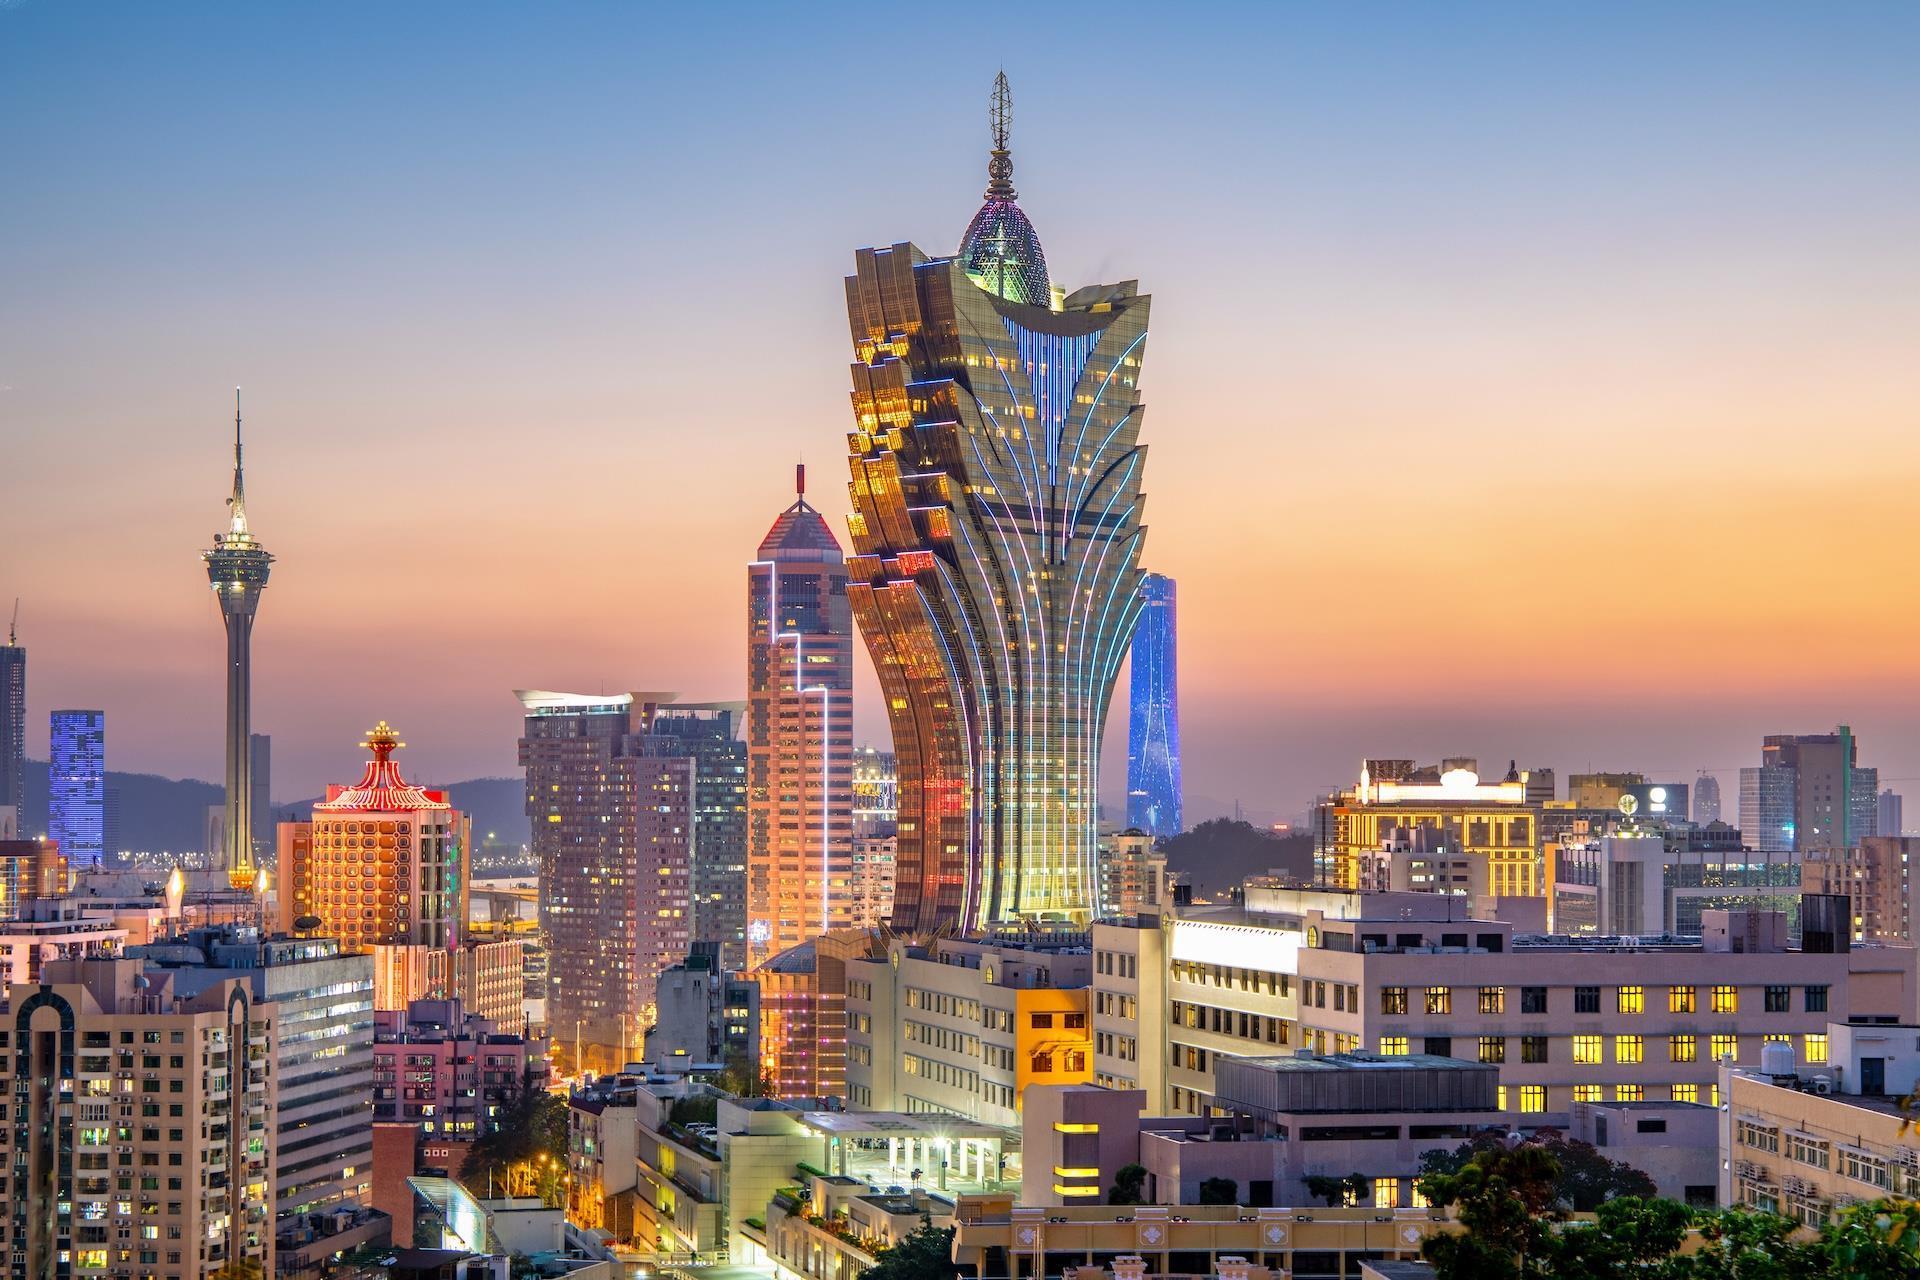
(1629,1093)
(1586,1093)
(1439,999)
(1633,1000)
(1726,1000)
(1533,1098)
(1683,1048)
(1393,1046)
(1386,1193)
(1816,1048)
(1629,1048)
(1680,1000)
(1493,1000)
(1586,1050)
(1686,1093)
(1725,1046)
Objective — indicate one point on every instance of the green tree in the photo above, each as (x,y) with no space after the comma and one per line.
(1629,1237)
(1508,1203)
(1219,1191)
(1336,1191)
(1587,1177)
(524,1152)
(1878,1241)
(926,1254)
(1129,1183)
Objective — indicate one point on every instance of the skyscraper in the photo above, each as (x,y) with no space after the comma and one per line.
(77,786)
(706,736)
(615,794)
(260,780)
(1809,794)
(237,568)
(383,863)
(13,722)
(1891,820)
(1706,799)
(799,734)
(996,533)
(1153,725)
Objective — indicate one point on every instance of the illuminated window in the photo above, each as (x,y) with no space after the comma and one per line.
(1726,1000)
(1586,1093)
(1632,1000)
(1500,1097)
(1393,1000)
(1533,1098)
(1439,999)
(1680,1000)
(1586,1050)
(1386,1193)
(1629,1048)
(1816,1048)
(1493,1048)
(1683,1048)
(1629,1093)
(1686,1093)
(1419,1198)
(1393,1046)
(1493,999)
(1725,1046)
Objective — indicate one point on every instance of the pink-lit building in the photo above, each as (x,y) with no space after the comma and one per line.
(449,1072)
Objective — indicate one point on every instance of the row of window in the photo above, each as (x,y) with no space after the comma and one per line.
(1627,999)
(1590,1050)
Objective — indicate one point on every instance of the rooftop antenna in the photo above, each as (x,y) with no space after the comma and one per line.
(1000,119)
(13,628)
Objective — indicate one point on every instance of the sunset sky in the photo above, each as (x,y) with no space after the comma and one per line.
(1526,381)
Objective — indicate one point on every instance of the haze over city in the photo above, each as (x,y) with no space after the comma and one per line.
(1514,384)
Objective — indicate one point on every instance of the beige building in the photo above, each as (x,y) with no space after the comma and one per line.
(1565,1020)
(1485,835)
(1807,1143)
(1133,878)
(873,874)
(1878,878)
(140,1127)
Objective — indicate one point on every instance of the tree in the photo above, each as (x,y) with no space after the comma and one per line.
(1219,1191)
(1129,1183)
(1629,1237)
(525,1151)
(1587,1178)
(926,1254)
(1336,1191)
(1507,1201)
(1877,1241)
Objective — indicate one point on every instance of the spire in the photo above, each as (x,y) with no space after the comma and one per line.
(1000,163)
(800,480)
(239,499)
(382,741)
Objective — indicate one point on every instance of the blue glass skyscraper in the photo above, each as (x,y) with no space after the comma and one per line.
(77,786)
(1153,725)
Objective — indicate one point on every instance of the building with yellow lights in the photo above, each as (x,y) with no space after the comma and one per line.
(1467,836)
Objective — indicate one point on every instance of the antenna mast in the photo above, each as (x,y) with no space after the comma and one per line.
(13,628)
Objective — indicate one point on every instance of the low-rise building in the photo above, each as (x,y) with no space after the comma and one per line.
(705,1015)
(602,1131)
(803,1015)
(837,1227)
(1807,1142)
(54,929)
(1656,880)
(449,1071)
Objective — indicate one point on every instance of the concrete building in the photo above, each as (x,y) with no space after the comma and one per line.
(836,1228)
(1809,793)
(961,1027)
(1565,1019)
(706,1015)
(114,1069)
(489,979)
(1878,878)
(322,1002)
(29,869)
(1133,877)
(1807,1142)
(602,1131)
(50,929)
(1655,880)
(1706,800)
(799,730)
(1674,1143)
(450,1072)
(1890,819)
(873,876)
(803,1015)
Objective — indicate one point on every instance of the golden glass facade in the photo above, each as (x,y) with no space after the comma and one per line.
(996,527)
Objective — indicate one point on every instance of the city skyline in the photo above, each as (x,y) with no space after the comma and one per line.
(1586,285)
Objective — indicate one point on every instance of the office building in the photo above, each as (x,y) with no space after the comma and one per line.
(876,793)
(1889,820)
(873,875)
(383,863)
(322,1093)
(961,1027)
(1565,1019)
(803,1015)
(1805,1141)
(237,569)
(1809,793)
(997,529)
(1652,881)
(1601,790)
(77,786)
(616,793)
(1878,880)
(1153,717)
(706,1016)
(29,869)
(1446,814)
(13,721)
(1706,800)
(260,804)
(702,741)
(112,1069)
(799,730)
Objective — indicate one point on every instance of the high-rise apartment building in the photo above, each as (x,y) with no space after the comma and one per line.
(260,805)
(111,1076)
(322,1005)
(616,793)
(1706,800)
(1133,878)
(77,786)
(1878,879)
(706,736)
(996,472)
(1153,721)
(873,875)
(13,724)
(1809,793)
(237,569)
(383,863)
(799,734)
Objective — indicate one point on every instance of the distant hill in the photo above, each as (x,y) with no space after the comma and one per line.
(171,813)
(1219,853)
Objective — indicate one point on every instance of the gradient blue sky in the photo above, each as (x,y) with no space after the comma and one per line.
(1526,381)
